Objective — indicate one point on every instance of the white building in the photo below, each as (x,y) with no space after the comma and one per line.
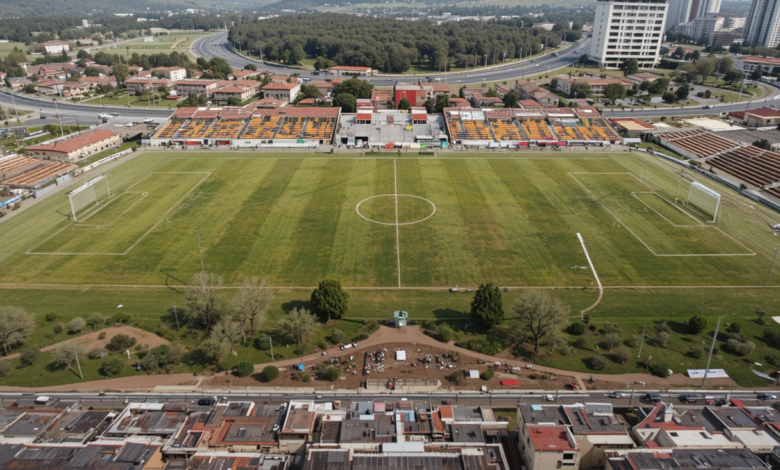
(734,23)
(705,7)
(628,29)
(678,13)
(55,47)
(702,28)
(762,27)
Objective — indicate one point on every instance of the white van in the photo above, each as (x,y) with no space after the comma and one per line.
(42,400)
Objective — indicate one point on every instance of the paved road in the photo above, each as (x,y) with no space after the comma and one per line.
(216,45)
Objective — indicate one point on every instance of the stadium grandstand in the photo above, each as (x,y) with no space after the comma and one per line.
(248,127)
(392,128)
(755,166)
(513,128)
(696,143)
(20,172)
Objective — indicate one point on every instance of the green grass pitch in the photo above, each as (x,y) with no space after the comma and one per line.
(463,219)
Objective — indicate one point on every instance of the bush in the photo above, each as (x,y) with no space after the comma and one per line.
(245,369)
(610,328)
(445,333)
(740,348)
(696,353)
(97,353)
(150,362)
(662,327)
(697,324)
(663,339)
(622,356)
(576,329)
(772,359)
(592,327)
(633,341)
(581,342)
(270,373)
(29,355)
(336,336)
(597,363)
(331,374)
(50,317)
(487,375)
(59,328)
(5,368)
(102,335)
(456,377)
(112,367)
(484,346)
(733,328)
(76,325)
(120,343)
(659,369)
(371,325)
(305,378)
(262,343)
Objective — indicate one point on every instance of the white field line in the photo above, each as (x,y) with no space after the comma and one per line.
(663,255)
(595,274)
(397,235)
(165,215)
(698,222)
(6,285)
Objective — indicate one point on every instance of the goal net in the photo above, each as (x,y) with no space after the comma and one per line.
(87,196)
(704,201)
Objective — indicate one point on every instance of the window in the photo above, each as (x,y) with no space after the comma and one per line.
(568,456)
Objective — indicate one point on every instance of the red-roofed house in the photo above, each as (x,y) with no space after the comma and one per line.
(196,87)
(78,147)
(243,74)
(460,103)
(235,91)
(548,447)
(488,101)
(566,85)
(349,70)
(286,92)
(762,117)
(142,84)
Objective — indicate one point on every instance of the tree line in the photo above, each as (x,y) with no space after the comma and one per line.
(390,45)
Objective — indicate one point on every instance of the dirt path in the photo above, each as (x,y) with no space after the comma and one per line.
(91,340)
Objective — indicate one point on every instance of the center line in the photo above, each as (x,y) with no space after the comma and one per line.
(397,239)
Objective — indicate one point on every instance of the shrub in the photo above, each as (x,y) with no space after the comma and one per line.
(121,342)
(772,359)
(445,333)
(102,335)
(150,362)
(577,328)
(696,353)
(663,339)
(633,341)
(487,375)
(610,328)
(76,325)
(5,368)
(97,353)
(586,319)
(305,378)
(29,355)
(740,348)
(697,324)
(336,336)
(50,317)
(244,369)
(659,369)
(456,377)
(484,346)
(592,327)
(59,328)
(331,374)
(597,363)
(262,343)
(112,367)
(371,326)
(662,327)
(622,356)
(733,328)
(581,342)
(611,340)
(270,373)
(361,337)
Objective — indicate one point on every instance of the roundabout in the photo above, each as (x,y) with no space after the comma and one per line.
(395,209)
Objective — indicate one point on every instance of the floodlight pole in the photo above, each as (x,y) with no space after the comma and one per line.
(712,348)
(175,314)
(271,342)
(641,343)
(79,365)
(771,266)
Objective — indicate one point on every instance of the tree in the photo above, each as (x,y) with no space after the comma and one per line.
(756,74)
(697,324)
(622,356)
(486,375)
(245,369)
(733,76)
(580,90)
(487,308)
(576,328)
(150,362)
(215,349)
(705,67)
(659,369)
(92,71)
(630,66)
(540,314)
(331,374)
(329,300)
(679,53)
(299,325)
(203,299)
(733,328)
(763,144)
(354,86)
(696,55)
(663,339)
(112,367)
(250,67)
(29,89)
(597,363)
(510,99)
(65,353)
(442,101)
(346,101)
(270,373)
(233,101)
(682,92)
(610,340)
(95,319)
(120,343)
(309,91)
(227,332)
(404,104)
(614,92)
(29,355)
(658,86)
(15,325)
(5,368)
(669,97)
(76,325)
(251,303)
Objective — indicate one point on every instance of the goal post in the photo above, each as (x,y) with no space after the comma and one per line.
(704,201)
(88,195)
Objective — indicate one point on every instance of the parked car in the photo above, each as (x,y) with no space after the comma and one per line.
(766,396)
(207,401)
(651,397)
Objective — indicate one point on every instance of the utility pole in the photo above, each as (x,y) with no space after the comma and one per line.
(78,364)
(176,314)
(641,343)
(271,342)
(200,252)
(712,347)
(57,109)
(771,266)
(740,89)
(15,110)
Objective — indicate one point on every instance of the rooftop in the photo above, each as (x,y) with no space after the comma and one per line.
(541,414)
(593,418)
(764,112)
(75,143)
(551,438)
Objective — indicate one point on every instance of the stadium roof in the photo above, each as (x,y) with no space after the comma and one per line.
(75,143)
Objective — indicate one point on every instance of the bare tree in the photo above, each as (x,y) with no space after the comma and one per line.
(299,325)
(539,313)
(203,299)
(65,353)
(15,326)
(227,332)
(251,303)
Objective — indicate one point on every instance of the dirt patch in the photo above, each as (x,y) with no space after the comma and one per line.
(423,362)
(91,340)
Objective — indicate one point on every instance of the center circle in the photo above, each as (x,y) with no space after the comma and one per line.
(381,209)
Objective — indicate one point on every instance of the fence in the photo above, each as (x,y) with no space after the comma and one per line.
(107,159)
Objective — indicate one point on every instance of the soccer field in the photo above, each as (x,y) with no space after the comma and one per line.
(390,222)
